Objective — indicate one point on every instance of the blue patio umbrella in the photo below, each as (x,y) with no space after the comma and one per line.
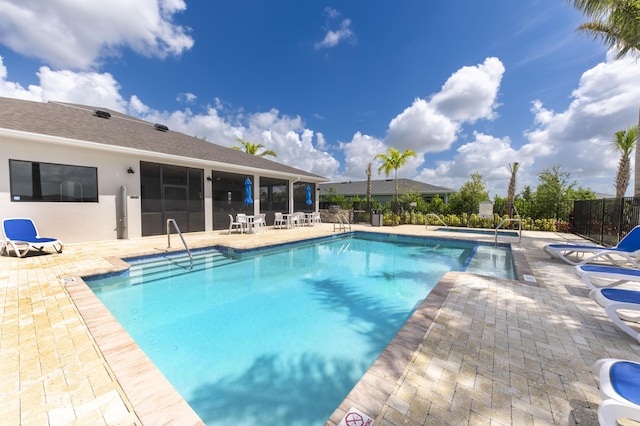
(247,192)
(308,200)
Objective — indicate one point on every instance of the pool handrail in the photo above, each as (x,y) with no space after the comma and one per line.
(340,224)
(426,223)
(510,220)
(175,225)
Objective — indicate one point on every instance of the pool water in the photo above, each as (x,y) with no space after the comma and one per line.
(278,336)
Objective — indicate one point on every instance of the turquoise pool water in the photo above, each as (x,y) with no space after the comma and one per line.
(279,336)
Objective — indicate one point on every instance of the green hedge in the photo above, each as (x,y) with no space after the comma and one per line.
(474,221)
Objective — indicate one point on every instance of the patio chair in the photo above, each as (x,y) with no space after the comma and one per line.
(299,219)
(260,223)
(598,276)
(315,218)
(279,221)
(619,389)
(294,220)
(628,249)
(234,224)
(242,218)
(21,235)
(618,304)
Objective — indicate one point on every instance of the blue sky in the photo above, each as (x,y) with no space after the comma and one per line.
(470,86)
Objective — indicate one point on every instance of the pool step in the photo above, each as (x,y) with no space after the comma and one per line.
(174,265)
(490,260)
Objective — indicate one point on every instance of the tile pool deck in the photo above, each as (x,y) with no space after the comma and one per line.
(477,351)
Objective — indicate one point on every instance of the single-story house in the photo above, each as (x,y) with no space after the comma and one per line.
(87,174)
(383,190)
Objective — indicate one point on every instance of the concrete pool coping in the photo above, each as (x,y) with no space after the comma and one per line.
(382,389)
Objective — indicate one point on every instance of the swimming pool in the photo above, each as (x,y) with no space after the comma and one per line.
(278,336)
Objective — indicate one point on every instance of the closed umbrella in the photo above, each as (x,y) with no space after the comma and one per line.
(308,200)
(247,192)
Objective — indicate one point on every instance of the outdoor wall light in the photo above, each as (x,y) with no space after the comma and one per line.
(209,178)
(130,170)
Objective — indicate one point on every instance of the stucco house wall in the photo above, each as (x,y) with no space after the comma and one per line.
(94,221)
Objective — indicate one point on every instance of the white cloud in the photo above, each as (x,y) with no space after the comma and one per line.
(87,88)
(358,153)
(578,139)
(432,125)
(15,90)
(186,98)
(470,93)
(288,136)
(488,155)
(77,34)
(421,128)
(333,37)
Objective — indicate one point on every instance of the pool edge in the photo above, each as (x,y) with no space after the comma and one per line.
(369,389)
(154,399)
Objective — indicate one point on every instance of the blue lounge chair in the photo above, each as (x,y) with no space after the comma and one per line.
(628,249)
(619,389)
(598,276)
(618,304)
(21,235)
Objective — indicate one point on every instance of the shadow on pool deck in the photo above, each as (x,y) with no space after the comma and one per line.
(478,350)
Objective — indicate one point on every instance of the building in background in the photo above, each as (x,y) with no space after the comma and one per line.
(87,174)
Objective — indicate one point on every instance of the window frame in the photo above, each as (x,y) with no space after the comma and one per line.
(66,170)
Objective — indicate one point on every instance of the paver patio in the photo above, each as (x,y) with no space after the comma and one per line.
(477,351)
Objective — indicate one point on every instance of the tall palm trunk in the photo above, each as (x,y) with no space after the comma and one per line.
(622,178)
(369,187)
(511,190)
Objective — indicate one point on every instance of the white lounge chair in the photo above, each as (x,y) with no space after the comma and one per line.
(628,249)
(21,235)
(598,276)
(618,304)
(619,389)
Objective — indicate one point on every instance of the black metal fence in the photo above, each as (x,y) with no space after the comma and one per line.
(606,220)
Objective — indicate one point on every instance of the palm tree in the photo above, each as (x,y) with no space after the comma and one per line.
(253,148)
(511,191)
(617,24)
(393,160)
(624,141)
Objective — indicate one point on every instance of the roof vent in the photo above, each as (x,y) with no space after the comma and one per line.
(101,113)
(161,127)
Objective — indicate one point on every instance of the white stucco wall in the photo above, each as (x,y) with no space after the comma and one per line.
(70,221)
(82,222)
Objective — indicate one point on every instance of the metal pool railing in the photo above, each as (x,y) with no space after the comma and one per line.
(175,225)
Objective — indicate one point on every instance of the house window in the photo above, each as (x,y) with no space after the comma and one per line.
(34,181)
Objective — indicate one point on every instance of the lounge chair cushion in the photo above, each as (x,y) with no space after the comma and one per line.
(624,379)
(621,295)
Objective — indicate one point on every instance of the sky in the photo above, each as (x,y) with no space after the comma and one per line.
(469,86)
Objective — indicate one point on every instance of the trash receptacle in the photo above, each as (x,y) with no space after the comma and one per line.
(376,217)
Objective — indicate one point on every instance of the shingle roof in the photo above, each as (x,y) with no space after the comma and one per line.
(78,122)
(382,187)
